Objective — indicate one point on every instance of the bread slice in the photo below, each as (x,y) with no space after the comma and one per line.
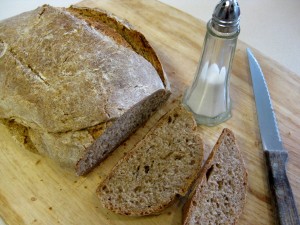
(163,165)
(76,82)
(220,192)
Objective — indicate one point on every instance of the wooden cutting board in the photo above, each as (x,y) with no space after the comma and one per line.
(34,190)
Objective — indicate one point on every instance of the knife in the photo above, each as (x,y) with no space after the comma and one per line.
(276,155)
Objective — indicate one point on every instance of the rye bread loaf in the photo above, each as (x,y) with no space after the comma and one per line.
(76,82)
(161,166)
(220,192)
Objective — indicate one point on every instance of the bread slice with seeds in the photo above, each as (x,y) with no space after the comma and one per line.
(162,166)
(220,193)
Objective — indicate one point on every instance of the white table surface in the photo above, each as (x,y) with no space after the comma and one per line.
(271,26)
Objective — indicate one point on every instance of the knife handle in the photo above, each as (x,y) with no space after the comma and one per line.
(281,189)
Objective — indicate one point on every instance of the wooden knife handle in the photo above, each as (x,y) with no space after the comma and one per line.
(281,189)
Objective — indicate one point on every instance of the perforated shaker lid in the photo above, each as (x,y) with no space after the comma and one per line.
(226,17)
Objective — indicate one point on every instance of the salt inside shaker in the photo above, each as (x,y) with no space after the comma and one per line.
(208,97)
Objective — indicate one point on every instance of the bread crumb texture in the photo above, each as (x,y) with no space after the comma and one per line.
(162,166)
(220,196)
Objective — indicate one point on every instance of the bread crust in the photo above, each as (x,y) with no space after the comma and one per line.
(134,38)
(63,80)
(188,207)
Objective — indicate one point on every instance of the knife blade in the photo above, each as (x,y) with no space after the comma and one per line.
(276,155)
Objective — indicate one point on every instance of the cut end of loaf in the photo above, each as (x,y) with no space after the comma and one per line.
(220,193)
(163,165)
(114,135)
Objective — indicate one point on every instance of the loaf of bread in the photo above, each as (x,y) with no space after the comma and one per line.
(162,166)
(220,192)
(76,82)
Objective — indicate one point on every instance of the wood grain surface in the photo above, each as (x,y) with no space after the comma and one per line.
(35,190)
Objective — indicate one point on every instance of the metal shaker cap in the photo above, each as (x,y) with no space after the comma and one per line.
(226,17)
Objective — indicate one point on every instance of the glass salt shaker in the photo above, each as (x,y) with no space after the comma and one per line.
(208,97)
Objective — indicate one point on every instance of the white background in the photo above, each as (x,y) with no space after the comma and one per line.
(271,26)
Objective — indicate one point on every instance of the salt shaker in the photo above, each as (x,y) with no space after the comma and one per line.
(208,97)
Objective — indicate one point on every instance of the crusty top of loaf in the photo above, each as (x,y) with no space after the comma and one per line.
(58,73)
